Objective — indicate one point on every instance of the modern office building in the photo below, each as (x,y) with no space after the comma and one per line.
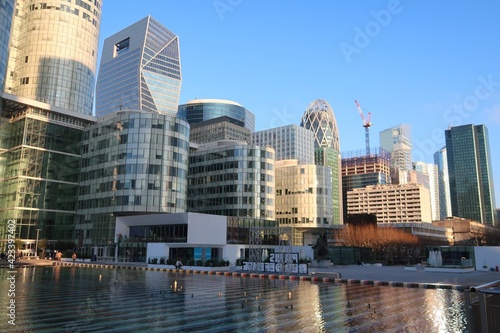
(391,203)
(48,90)
(217,129)
(133,163)
(320,119)
(303,199)
(470,171)
(441,160)
(140,70)
(234,179)
(198,110)
(360,170)
(6,16)
(53,53)
(39,170)
(427,175)
(289,142)
(397,140)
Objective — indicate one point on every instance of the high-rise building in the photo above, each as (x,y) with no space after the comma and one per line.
(234,179)
(319,118)
(46,105)
(391,203)
(360,170)
(441,160)
(140,70)
(397,140)
(427,175)
(53,53)
(198,110)
(303,199)
(470,171)
(217,129)
(290,142)
(133,163)
(6,16)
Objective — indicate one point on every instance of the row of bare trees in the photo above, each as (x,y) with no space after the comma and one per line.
(391,245)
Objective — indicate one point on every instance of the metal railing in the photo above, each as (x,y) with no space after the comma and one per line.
(483,308)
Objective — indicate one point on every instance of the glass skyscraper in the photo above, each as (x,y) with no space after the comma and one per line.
(441,160)
(140,70)
(397,140)
(320,119)
(469,167)
(198,110)
(53,53)
(48,91)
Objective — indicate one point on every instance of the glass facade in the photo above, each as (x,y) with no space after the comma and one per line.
(289,142)
(132,163)
(6,12)
(53,55)
(140,70)
(303,196)
(221,128)
(469,166)
(199,110)
(441,160)
(397,140)
(232,180)
(39,171)
(320,119)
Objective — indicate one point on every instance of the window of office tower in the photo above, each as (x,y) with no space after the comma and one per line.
(122,46)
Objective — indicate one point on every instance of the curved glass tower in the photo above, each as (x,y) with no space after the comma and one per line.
(319,119)
(198,110)
(6,11)
(53,55)
(140,70)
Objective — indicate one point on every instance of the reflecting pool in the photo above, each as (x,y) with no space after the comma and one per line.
(79,299)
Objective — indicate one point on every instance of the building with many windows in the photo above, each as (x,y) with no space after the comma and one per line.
(441,160)
(319,119)
(289,142)
(6,16)
(391,203)
(198,110)
(397,141)
(133,163)
(303,199)
(470,171)
(427,175)
(221,128)
(360,170)
(53,53)
(140,70)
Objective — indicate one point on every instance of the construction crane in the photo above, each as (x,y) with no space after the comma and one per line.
(366,124)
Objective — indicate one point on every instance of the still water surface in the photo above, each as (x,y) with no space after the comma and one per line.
(77,299)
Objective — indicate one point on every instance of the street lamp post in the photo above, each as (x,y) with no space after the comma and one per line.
(36,243)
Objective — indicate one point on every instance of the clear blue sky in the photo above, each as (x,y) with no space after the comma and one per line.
(422,63)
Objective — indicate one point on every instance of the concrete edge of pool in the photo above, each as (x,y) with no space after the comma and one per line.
(327,278)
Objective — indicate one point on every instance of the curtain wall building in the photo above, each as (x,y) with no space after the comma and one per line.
(133,163)
(303,199)
(441,160)
(397,140)
(470,171)
(140,70)
(48,86)
(319,119)
(198,110)
(53,53)
(289,142)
